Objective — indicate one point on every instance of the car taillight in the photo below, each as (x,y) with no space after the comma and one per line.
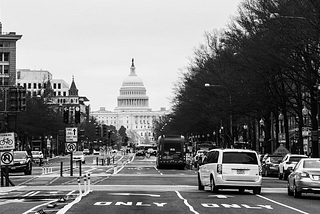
(303,175)
(219,168)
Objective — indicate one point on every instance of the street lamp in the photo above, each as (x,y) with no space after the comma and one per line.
(261,139)
(230,103)
(277,15)
(281,117)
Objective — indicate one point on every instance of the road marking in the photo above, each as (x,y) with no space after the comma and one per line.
(185,201)
(134,194)
(284,205)
(221,196)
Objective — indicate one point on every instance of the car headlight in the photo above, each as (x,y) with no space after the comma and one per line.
(22,161)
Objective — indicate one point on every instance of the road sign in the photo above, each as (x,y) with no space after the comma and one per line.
(6,158)
(70,147)
(7,141)
(71,134)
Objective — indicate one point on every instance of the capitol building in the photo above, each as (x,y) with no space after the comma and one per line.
(132,111)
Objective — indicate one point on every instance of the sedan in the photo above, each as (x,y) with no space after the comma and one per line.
(305,177)
(270,165)
(22,162)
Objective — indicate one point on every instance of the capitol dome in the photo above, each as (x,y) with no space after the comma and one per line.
(133,93)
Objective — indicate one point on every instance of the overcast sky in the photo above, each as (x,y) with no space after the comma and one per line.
(95,40)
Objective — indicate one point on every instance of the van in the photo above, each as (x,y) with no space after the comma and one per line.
(230,169)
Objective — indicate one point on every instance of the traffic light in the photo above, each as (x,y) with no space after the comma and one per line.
(65,114)
(104,130)
(13,104)
(77,115)
(98,131)
(22,99)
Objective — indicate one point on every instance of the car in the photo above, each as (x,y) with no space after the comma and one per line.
(270,165)
(289,160)
(230,169)
(152,151)
(140,152)
(22,162)
(37,157)
(78,156)
(304,177)
(96,152)
(86,151)
(198,157)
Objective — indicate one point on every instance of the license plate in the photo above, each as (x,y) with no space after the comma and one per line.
(240,171)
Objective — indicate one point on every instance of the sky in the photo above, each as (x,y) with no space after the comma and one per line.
(95,40)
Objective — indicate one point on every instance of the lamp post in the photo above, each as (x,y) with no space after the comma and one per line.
(280,118)
(261,139)
(303,146)
(230,106)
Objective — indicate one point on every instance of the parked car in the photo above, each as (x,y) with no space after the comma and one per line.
(270,165)
(86,151)
(198,157)
(289,160)
(152,151)
(140,152)
(37,157)
(78,156)
(96,152)
(22,162)
(305,177)
(230,169)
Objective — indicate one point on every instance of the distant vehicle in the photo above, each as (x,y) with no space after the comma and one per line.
(305,177)
(198,157)
(37,157)
(140,152)
(230,169)
(95,152)
(86,151)
(78,156)
(152,151)
(270,165)
(289,160)
(170,151)
(22,162)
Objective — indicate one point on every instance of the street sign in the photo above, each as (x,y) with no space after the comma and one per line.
(6,158)
(71,134)
(7,141)
(70,147)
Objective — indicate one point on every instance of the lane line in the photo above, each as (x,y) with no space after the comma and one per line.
(284,205)
(185,201)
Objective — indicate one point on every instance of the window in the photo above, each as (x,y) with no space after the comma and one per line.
(212,157)
(239,158)
(29,85)
(6,69)
(39,85)
(54,85)
(34,85)
(59,85)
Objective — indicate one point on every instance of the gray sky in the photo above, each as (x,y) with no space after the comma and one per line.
(95,40)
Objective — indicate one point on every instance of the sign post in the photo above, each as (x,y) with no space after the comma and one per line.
(7,143)
(71,140)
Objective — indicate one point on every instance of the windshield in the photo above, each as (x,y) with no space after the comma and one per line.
(78,153)
(19,155)
(295,158)
(240,158)
(275,159)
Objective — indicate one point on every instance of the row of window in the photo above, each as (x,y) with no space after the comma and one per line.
(4,57)
(133,92)
(40,85)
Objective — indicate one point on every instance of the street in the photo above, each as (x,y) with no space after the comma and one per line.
(137,186)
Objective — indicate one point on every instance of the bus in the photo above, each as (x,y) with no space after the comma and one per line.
(170,151)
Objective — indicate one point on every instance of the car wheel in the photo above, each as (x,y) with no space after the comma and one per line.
(280,175)
(241,190)
(213,187)
(200,186)
(257,190)
(296,193)
(290,193)
(28,170)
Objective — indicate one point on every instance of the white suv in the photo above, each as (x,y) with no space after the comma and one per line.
(230,169)
(289,160)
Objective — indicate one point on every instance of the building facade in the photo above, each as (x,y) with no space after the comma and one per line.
(132,111)
(8,57)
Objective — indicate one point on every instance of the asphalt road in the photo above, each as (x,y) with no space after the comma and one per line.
(139,187)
